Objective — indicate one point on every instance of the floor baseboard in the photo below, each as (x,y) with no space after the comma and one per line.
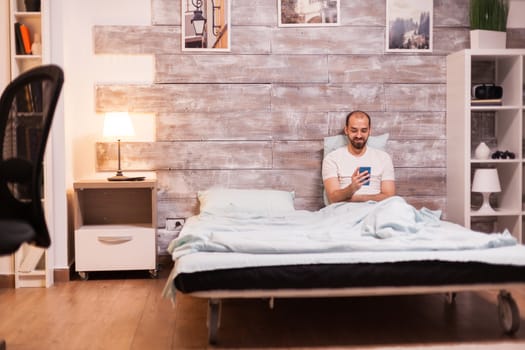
(62,275)
(7,281)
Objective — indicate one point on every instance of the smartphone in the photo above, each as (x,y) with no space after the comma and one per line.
(362,169)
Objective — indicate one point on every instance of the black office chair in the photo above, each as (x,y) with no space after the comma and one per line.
(27,107)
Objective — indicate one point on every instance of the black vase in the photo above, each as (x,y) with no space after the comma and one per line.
(32,5)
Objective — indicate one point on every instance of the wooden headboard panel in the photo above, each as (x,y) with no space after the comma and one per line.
(255,117)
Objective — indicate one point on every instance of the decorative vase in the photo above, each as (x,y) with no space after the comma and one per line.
(487,39)
(36,47)
(482,151)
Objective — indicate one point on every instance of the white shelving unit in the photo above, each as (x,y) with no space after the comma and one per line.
(41,275)
(37,23)
(505,68)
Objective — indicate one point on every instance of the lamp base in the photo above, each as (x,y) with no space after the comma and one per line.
(118,177)
(485,208)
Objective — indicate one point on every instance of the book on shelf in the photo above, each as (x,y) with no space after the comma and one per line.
(26,38)
(31,258)
(20,50)
(486,102)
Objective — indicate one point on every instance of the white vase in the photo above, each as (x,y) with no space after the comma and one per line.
(487,39)
(36,47)
(482,151)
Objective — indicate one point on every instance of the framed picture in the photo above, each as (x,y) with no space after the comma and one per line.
(206,25)
(304,13)
(409,25)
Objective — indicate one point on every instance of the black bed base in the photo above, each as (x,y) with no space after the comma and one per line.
(335,280)
(321,276)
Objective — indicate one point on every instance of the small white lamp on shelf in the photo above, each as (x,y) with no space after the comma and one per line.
(118,124)
(486,181)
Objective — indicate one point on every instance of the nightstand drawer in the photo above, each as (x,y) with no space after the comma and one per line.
(115,247)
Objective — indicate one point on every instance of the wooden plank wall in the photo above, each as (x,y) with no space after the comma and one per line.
(255,117)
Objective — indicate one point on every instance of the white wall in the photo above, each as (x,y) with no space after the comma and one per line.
(84,70)
(77,127)
(516,17)
(72,48)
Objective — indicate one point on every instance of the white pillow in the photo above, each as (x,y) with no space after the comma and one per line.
(254,202)
(331,143)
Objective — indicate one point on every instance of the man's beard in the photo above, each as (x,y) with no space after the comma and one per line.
(358,143)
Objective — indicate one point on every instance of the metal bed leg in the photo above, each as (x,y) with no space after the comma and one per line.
(214,319)
(450,298)
(508,312)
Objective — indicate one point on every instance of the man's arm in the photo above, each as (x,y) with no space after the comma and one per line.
(336,194)
(347,194)
(388,189)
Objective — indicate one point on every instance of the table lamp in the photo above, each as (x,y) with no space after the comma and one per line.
(486,181)
(118,124)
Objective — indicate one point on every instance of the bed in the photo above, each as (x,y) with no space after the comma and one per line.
(254,244)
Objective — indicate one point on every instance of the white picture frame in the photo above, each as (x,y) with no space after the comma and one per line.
(307,13)
(216,36)
(409,25)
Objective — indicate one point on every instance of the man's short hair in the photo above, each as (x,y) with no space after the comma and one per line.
(358,112)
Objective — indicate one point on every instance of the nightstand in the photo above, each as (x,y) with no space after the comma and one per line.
(115,226)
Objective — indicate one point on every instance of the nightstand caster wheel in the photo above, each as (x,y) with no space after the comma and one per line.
(153,273)
(509,314)
(84,276)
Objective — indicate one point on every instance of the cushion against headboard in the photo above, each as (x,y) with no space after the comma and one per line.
(331,143)
(256,202)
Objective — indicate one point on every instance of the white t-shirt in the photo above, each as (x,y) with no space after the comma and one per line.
(342,164)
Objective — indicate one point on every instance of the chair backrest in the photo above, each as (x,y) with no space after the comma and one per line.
(27,107)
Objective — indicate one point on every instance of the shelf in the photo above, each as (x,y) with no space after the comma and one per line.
(496,161)
(28,57)
(41,274)
(501,127)
(35,273)
(499,212)
(494,108)
(115,226)
(27,14)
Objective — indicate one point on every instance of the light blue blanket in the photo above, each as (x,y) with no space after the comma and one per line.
(389,225)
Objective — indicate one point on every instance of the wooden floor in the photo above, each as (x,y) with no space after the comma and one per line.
(127,311)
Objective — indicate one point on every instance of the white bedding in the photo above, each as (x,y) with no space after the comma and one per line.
(388,231)
(389,225)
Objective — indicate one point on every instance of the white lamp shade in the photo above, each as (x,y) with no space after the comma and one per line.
(486,180)
(117,124)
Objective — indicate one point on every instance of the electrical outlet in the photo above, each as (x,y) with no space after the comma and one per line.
(174,224)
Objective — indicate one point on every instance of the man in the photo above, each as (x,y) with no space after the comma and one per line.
(341,176)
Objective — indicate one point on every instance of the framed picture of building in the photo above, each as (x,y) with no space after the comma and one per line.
(302,13)
(206,25)
(409,25)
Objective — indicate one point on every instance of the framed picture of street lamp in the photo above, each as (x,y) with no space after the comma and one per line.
(409,25)
(306,13)
(206,25)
